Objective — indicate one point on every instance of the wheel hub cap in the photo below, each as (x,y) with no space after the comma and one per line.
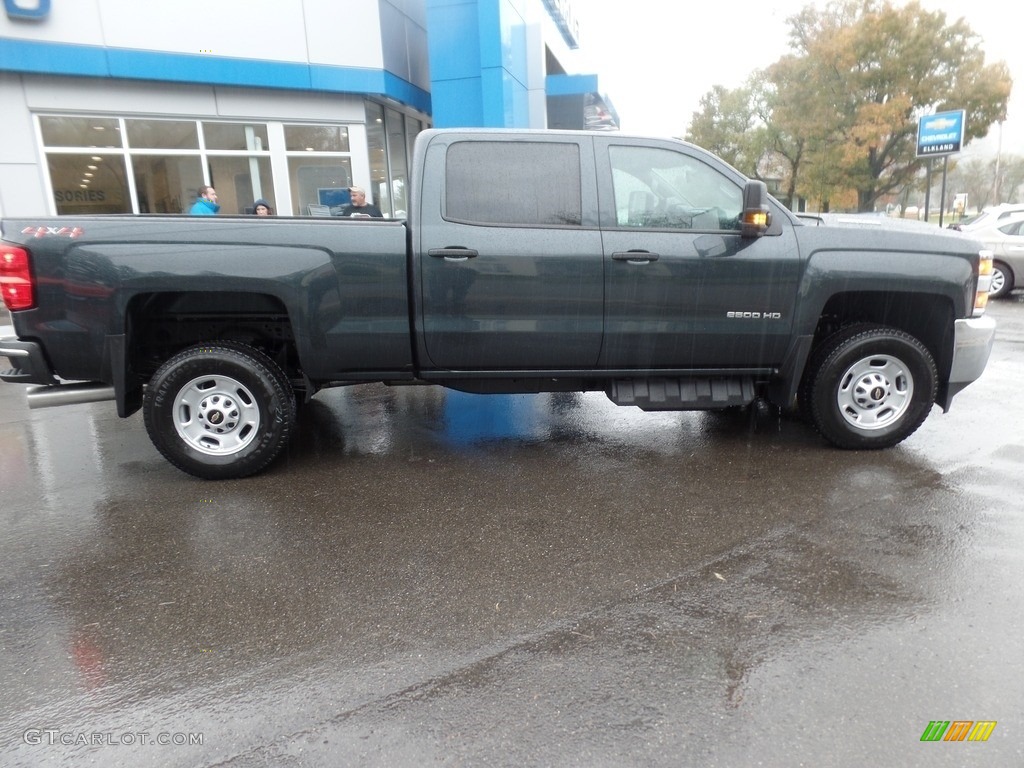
(219,413)
(875,392)
(216,415)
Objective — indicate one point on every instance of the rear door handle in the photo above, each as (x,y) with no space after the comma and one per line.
(453,253)
(635,257)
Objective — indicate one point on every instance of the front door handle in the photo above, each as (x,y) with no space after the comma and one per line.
(635,257)
(453,253)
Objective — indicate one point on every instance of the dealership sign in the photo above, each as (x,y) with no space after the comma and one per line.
(941,134)
(27,9)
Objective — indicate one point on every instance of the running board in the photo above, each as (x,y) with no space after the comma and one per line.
(697,394)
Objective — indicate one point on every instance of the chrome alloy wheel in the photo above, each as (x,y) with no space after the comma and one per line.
(997,287)
(875,391)
(216,415)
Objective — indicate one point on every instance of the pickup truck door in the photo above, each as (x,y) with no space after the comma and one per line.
(683,289)
(508,257)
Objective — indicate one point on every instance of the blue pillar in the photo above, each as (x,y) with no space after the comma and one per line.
(479,63)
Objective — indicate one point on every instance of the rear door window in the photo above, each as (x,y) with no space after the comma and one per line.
(503,183)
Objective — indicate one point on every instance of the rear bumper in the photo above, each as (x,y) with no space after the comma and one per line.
(28,364)
(972,345)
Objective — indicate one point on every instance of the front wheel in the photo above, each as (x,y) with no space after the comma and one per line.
(219,411)
(1002,281)
(869,387)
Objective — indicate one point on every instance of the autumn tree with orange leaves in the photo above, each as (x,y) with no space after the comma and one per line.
(837,117)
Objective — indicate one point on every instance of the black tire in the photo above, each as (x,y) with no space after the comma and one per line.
(868,387)
(1002,281)
(219,411)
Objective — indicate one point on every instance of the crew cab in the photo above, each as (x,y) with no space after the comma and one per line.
(531,261)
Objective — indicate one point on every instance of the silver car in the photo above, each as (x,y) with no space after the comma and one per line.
(1005,238)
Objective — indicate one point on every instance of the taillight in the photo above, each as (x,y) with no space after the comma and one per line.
(15,278)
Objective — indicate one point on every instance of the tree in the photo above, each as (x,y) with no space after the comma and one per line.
(1011,179)
(839,114)
(876,70)
(723,126)
(802,129)
(973,177)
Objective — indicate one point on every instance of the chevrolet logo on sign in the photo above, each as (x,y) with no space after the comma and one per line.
(27,9)
(941,134)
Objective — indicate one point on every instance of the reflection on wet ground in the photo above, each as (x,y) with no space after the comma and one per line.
(508,580)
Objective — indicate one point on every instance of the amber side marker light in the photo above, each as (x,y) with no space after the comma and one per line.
(984,282)
(16,279)
(755,222)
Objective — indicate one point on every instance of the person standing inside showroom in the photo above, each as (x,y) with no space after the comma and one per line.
(206,203)
(359,208)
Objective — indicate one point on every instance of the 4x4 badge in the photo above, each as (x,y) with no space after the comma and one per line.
(71,232)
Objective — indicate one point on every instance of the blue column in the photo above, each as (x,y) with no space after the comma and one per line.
(478,63)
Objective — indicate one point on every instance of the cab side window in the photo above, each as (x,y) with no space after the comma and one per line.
(507,183)
(662,189)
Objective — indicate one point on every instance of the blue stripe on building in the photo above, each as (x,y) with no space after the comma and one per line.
(94,61)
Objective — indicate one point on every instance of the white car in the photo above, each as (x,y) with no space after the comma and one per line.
(1005,238)
(990,217)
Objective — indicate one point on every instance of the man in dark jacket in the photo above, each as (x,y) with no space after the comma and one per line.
(359,208)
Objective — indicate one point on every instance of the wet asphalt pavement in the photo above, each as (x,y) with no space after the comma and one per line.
(436,578)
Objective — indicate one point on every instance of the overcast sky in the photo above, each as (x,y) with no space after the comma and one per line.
(656,59)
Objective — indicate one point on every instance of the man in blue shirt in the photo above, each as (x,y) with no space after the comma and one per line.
(206,204)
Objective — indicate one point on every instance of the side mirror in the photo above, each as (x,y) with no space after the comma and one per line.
(756,218)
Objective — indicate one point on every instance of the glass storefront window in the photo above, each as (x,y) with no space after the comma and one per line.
(318,181)
(376,141)
(166,184)
(399,180)
(251,137)
(99,132)
(412,130)
(390,136)
(85,184)
(97,163)
(239,181)
(316,138)
(162,134)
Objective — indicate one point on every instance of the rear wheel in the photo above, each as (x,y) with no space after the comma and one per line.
(869,387)
(219,411)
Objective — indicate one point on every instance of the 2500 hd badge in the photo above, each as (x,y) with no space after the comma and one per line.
(754,315)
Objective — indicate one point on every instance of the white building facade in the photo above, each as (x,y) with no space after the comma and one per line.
(122,106)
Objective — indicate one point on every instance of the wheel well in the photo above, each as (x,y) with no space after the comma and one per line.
(161,324)
(927,317)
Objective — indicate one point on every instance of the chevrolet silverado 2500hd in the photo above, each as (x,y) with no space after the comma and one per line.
(530,261)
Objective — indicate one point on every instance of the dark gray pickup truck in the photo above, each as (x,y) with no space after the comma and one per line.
(531,261)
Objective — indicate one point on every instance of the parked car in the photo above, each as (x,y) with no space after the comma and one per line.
(990,217)
(1005,238)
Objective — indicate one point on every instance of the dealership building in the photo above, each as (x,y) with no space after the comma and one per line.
(121,106)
